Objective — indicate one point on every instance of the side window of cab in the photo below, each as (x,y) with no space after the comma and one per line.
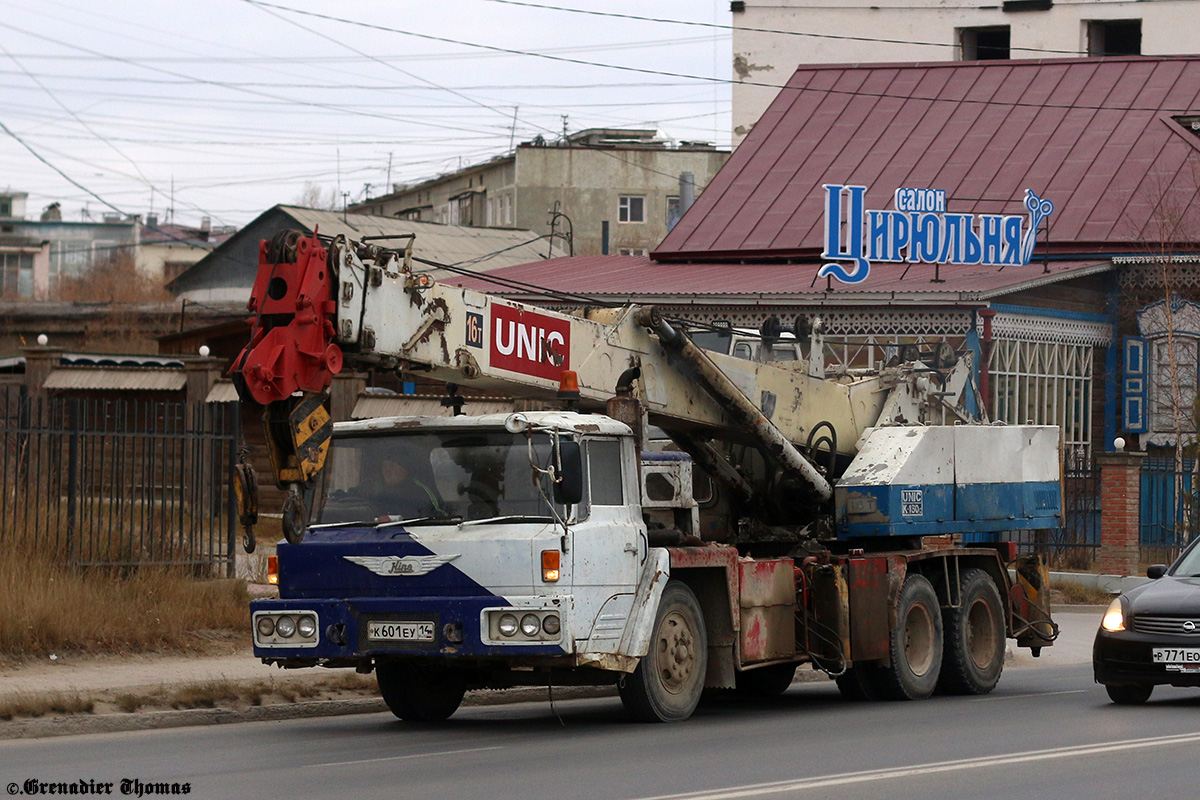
(605,472)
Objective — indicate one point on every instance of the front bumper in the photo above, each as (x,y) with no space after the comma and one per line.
(342,628)
(1123,658)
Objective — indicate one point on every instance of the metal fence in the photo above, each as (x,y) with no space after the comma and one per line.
(1076,544)
(1168,510)
(119,482)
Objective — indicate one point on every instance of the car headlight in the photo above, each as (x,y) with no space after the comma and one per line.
(508,625)
(530,625)
(266,626)
(307,627)
(285,627)
(1114,617)
(551,624)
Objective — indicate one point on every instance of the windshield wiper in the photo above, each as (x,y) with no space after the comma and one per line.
(326,525)
(417,520)
(508,518)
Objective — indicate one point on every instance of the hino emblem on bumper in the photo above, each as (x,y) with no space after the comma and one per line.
(395,565)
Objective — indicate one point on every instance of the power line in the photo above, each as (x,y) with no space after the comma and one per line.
(805,34)
(243,89)
(706,78)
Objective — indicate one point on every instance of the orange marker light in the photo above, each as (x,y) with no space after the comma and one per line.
(550,565)
(273,569)
(568,386)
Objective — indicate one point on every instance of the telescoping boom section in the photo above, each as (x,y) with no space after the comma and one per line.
(789,514)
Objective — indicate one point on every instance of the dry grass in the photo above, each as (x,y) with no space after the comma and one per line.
(22,705)
(47,607)
(341,684)
(1075,594)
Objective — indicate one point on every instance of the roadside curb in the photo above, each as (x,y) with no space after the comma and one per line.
(80,724)
(77,724)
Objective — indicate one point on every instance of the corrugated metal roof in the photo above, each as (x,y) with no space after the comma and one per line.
(222,392)
(119,360)
(1095,136)
(630,278)
(146,379)
(374,405)
(448,244)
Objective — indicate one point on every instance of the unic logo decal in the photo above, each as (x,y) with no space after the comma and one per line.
(529,343)
(920,231)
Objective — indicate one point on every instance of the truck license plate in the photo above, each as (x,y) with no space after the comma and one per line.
(1177,659)
(402,631)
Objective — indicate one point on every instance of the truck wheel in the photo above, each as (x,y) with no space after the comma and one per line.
(420,693)
(667,684)
(1129,695)
(915,644)
(859,683)
(973,651)
(770,681)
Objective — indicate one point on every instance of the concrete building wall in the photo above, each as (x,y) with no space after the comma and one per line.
(587,183)
(926,30)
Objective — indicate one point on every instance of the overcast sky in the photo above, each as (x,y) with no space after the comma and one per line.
(237,104)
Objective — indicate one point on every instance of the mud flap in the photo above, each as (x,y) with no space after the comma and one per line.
(1032,626)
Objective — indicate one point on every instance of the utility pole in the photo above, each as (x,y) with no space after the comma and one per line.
(512,131)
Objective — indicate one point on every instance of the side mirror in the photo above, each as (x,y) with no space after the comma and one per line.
(568,491)
(1156,571)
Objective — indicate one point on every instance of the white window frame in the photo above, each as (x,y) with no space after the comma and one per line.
(626,206)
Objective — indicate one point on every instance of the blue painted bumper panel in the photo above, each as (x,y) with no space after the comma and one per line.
(355,613)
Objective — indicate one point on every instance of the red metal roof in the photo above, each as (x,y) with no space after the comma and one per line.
(1095,136)
(630,277)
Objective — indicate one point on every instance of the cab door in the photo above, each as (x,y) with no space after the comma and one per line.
(609,548)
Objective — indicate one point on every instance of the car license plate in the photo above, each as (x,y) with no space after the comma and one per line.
(1185,657)
(402,631)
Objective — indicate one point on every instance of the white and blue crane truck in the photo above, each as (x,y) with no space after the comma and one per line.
(562,547)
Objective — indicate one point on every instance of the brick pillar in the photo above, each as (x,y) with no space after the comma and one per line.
(343,394)
(39,363)
(1120,484)
(201,374)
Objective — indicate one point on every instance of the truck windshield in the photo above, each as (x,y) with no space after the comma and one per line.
(428,477)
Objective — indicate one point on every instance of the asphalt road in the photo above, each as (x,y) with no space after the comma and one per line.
(1047,731)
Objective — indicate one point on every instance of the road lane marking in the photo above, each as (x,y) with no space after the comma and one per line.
(865,776)
(401,758)
(1031,694)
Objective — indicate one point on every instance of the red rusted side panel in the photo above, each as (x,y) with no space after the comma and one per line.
(868,586)
(721,557)
(767,601)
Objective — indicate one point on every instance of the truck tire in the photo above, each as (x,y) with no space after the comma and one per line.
(859,683)
(420,693)
(973,649)
(1129,695)
(915,644)
(769,681)
(667,684)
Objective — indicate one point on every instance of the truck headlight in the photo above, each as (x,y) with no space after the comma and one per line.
(551,624)
(530,625)
(285,627)
(307,627)
(266,626)
(508,625)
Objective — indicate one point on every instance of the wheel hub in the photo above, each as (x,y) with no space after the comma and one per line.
(676,650)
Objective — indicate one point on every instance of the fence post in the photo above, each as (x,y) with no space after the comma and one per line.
(73,425)
(1120,490)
